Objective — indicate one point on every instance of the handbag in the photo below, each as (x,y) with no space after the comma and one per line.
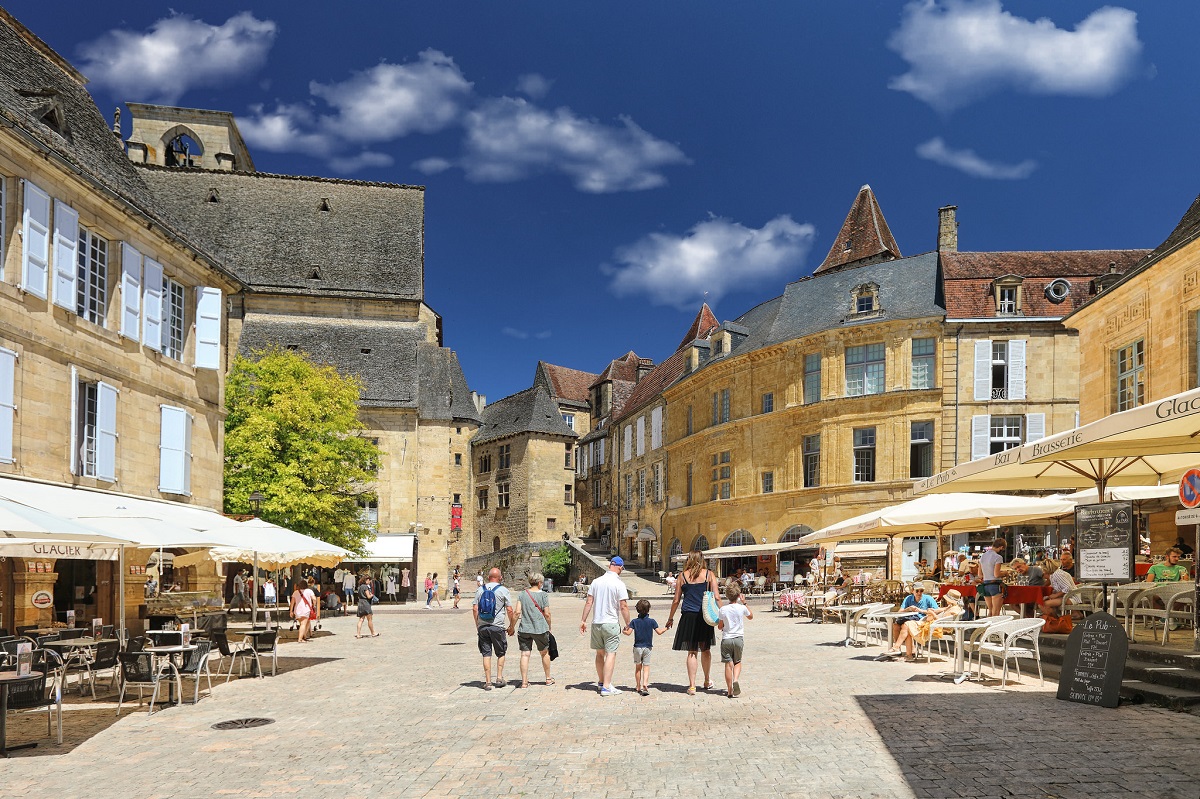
(551,645)
(709,609)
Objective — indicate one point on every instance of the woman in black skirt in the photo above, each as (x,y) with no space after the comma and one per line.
(694,633)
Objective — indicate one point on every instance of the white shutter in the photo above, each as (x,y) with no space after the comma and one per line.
(35,240)
(152,303)
(981,436)
(656,419)
(8,403)
(208,328)
(983,370)
(3,219)
(66,249)
(106,432)
(175,451)
(627,444)
(74,421)
(1016,369)
(1035,426)
(641,436)
(131,291)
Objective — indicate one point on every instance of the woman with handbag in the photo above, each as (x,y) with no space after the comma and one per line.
(300,609)
(366,610)
(533,627)
(696,585)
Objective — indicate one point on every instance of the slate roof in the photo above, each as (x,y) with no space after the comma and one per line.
(398,367)
(867,233)
(969,278)
(529,411)
(670,370)
(275,232)
(570,385)
(909,288)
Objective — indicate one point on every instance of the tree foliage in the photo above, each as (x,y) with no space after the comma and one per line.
(292,432)
(556,562)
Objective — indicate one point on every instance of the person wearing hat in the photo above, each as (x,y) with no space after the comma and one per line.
(918,602)
(922,630)
(608,604)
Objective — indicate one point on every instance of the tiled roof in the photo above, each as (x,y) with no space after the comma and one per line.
(623,368)
(667,372)
(529,411)
(704,323)
(564,383)
(303,235)
(622,390)
(864,236)
(969,278)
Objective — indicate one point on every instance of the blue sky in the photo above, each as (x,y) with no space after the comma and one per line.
(592,170)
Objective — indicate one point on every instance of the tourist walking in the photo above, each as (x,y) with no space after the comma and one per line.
(269,597)
(429,590)
(437,590)
(301,611)
(239,590)
(643,629)
(366,608)
(314,617)
(533,626)
(733,637)
(694,635)
(491,607)
(457,591)
(608,604)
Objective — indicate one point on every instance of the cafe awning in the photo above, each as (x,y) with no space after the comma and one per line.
(861,549)
(387,549)
(749,550)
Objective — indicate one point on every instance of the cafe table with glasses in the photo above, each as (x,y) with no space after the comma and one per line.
(170,652)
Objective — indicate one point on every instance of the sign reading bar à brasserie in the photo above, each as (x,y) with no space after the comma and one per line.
(1104,542)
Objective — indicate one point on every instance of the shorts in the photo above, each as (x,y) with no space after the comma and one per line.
(641,655)
(731,649)
(606,637)
(991,588)
(492,639)
(526,641)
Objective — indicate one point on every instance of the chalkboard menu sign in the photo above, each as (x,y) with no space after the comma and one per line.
(1094,662)
(1104,542)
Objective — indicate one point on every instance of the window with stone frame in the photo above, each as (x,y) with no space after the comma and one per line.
(505,457)
(864,454)
(502,495)
(864,301)
(1007,293)
(812,378)
(551,523)
(1005,433)
(458,459)
(999,370)
(174,318)
(567,460)
(597,488)
(865,369)
(812,461)
(924,357)
(1131,373)
(485,462)
(657,482)
(722,475)
(569,494)
(482,497)
(628,497)
(768,482)
(688,485)
(768,402)
(91,283)
(641,488)
(368,511)
(920,461)
(569,418)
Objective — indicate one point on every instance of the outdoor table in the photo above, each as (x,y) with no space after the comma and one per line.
(1013,594)
(891,617)
(256,633)
(169,652)
(959,626)
(813,606)
(8,678)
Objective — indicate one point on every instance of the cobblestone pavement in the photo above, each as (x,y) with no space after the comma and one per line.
(403,715)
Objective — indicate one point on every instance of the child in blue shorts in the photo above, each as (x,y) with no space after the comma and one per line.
(643,629)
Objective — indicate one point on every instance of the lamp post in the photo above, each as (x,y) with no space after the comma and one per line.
(256,501)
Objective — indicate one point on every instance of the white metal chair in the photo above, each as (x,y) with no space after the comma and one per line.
(1180,607)
(1013,640)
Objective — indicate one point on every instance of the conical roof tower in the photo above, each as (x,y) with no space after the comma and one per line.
(864,238)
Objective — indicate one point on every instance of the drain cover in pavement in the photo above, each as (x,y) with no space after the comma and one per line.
(242,724)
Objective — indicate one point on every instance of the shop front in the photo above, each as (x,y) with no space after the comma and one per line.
(389,562)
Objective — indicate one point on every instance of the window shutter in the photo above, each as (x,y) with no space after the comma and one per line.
(175,451)
(983,370)
(35,237)
(627,446)
(602,451)
(8,403)
(656,420)
(66,248)
(1016,369)
(981,436)
(641,436)
(74,421)
(131,291)
(106,432)
(3,220)
(152,303)
(1035,426)
(208,328)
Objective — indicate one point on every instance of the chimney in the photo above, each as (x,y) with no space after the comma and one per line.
(947,229)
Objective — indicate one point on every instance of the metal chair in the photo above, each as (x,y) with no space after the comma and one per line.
(42,640)
(197,665)
(136,644)
(71,633)
(106,631)
(243,651)
(38,693)
(268,644)
(138,670)
(1180,607)
(104,658)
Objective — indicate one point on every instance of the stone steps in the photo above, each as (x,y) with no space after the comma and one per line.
(1164,677)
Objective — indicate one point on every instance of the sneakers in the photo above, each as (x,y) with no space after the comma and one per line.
(737,689)
(610,691)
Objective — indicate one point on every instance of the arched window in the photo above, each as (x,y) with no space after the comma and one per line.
(183,150)
(738,538)
(795,533)
(701,543)
(676,548)
(496,544)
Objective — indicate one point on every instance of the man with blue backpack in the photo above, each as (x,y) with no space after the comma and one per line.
(491,607)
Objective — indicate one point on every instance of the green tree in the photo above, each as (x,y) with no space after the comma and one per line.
(556,561)
(292,432)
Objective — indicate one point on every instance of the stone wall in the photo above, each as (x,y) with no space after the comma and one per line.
(515,562)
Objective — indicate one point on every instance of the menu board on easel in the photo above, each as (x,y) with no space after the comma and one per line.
(1094,662)
(1105,542)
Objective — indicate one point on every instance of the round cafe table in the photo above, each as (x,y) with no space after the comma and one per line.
(170,653)
(959,626)
(8,678)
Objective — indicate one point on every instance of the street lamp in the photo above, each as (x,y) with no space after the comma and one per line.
(256,501)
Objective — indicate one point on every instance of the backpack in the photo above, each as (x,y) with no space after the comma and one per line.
(487,603)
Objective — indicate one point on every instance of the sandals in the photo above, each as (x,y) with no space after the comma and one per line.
(523,685)
(549,681)
(708,686)
(691,690)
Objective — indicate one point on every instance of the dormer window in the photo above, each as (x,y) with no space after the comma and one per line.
(849,245)
(1007,293)
(864,303)
(864,300)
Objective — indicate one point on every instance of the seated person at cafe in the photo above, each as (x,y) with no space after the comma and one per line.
(1061,583)
(919,602)
(1066,562)
(969,570)
(1169,570)
(1033,574)
(922,631)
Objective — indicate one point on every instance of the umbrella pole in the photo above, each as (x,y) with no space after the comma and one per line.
(121,590)
(254,595)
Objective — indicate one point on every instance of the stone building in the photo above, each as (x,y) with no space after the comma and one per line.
(113,336)
(333,268)
(1139,335)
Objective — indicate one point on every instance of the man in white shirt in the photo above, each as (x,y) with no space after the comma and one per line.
(992,587)
(608,604)
(348,586)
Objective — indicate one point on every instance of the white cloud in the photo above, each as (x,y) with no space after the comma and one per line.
(176,54)
(363,160)
(512,332)
(432,166)
(711,259)
(968,161)
(534,85)
(510,139)
(960,50)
